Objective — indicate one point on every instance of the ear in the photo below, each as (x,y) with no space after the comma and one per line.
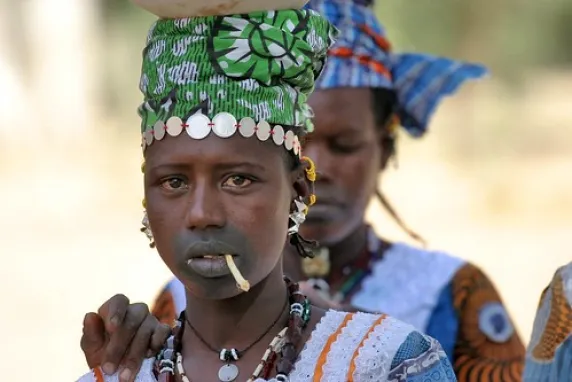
(386,142)
(301,186)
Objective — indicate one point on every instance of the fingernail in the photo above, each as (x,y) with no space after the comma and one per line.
(115,321)
(125,375)
(108,368)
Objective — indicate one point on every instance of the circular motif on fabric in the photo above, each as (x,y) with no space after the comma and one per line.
(247,127)
(495,323)
(263,130)
(149,136)
(265,47)
(278,135)
(224,125)
(159,130)
(289,140)
(198,126)
(174,126)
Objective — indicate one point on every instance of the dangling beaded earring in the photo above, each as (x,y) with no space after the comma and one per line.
(298,216)
(304,247)
(146,228)
(317,265)
(311,176)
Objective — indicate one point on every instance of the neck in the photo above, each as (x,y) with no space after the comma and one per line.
(347,250)
(236,322)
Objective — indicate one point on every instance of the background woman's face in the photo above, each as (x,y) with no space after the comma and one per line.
(345,147)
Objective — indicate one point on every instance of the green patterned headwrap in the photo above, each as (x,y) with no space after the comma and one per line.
(260,66)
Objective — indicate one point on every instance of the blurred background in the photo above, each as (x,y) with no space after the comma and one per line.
(492,182)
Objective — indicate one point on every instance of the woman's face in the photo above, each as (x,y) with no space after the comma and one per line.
(211,197)
(345,146)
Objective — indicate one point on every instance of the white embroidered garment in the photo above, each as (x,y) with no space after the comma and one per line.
(359,347)
(406,283)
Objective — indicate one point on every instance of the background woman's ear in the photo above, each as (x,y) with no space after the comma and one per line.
(302,186)
(387,144)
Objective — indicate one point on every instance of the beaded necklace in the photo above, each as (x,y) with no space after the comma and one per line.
(353,275)
(281,351)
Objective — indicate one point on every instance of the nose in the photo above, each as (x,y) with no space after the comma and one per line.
(205,209)
(318,152)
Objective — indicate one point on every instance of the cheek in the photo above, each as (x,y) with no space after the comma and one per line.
(358,174)
(166,220)
(264,220)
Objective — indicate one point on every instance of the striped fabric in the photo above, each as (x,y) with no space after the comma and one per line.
(362,57)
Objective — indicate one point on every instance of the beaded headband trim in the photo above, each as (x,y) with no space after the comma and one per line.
(224,125)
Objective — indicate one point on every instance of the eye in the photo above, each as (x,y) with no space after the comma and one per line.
(237,181)
(173,184)
(345,147)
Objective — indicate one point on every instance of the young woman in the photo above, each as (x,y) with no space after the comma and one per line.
(364,89)
(225,187)
(549,355)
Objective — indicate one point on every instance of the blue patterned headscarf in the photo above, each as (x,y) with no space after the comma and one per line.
(362,57)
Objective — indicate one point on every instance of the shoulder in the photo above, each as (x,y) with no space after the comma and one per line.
(410,355)
(412,255)
(170,302)
(369,347)
(145,374)
(473,290)
(485,323)
(551,341)
(427,268)
(407,282)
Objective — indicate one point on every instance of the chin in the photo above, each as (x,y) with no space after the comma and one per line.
(211,289)
(330,233)
(325,234)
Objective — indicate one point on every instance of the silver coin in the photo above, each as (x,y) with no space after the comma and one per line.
(289,140)
(198,126)
(149,136)
(174,126)
(247,126)
(159,130)
(263,130)
(278,135)
(224,125)
(228,373)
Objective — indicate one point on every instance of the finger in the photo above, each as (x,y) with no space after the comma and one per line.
(162,332)
(122,338)
(137,350)
(113,312)
(93,339)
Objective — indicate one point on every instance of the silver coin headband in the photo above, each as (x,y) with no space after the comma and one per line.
(224,125)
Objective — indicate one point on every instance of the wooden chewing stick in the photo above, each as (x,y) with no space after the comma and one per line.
(240,281)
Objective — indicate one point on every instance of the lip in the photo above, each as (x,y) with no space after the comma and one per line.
(320,212)
(326,201)
(208,248)
(211,266)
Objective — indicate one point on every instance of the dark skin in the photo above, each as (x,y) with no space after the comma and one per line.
(238,193)
(121,333)
(348,149)
(347,146)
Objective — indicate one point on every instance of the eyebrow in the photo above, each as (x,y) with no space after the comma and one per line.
(220,166)
(231,165)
